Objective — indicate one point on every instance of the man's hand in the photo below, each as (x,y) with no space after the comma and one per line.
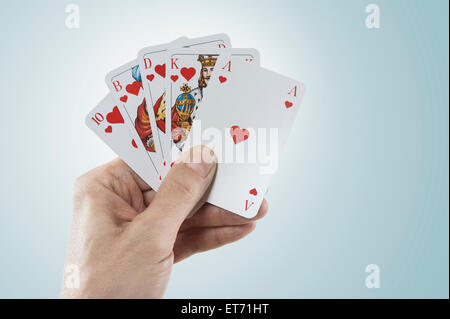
(125,237)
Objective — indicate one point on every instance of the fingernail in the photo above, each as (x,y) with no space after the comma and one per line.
(201,160)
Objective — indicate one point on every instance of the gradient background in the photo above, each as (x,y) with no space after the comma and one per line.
(365,178)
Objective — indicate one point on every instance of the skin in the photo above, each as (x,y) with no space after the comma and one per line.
(125,238)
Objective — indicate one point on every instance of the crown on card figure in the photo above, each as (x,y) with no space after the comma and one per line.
(207,60)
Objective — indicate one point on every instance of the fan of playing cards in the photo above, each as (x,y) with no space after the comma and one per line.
(216,96)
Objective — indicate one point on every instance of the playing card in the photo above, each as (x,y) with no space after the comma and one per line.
(188,77)
(152,66)
(153,63)
(125,83)
(245,118)
(108,123)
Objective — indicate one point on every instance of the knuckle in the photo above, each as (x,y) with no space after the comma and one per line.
(80,186)
(111,168)
(84,187)
(185,190)
(151,232)
(161,249)
(78,183)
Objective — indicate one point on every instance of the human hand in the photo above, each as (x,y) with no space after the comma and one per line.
(125,237)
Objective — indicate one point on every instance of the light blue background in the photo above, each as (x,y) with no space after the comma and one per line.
(364,178)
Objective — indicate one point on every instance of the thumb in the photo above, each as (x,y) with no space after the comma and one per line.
(184,186)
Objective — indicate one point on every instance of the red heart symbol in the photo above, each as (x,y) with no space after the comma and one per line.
(288,104)
(187,73)
(108,129)
(133,88)
(222,79)
(253,191)
(150,77)
(114,116)
(133,142)
(124,98)
(164,163)
(239,134)
(161,70)
(174,78)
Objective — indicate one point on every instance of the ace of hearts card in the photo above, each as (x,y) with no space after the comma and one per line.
(253,109)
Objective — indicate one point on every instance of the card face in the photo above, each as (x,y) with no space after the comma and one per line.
(108,122)
(153,64)
(188,76)
(125,83)
(245,118)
